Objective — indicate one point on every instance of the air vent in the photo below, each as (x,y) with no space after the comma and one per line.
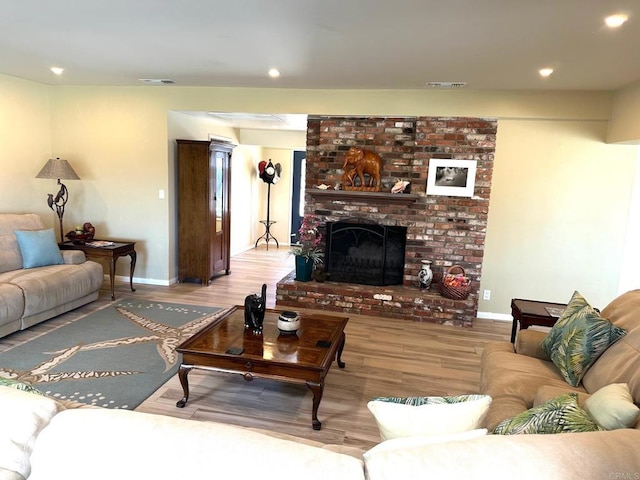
(446,84)
(251,117)
(156,81)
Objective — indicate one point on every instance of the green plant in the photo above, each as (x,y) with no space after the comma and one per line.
(309,239)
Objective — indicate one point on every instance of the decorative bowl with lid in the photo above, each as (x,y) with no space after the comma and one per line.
(288,322)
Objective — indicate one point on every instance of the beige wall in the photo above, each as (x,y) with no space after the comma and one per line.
(25,143)
(555,178)
(557,217)
(625,124)
(287,139)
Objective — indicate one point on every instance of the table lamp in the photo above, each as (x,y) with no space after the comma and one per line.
(55,168)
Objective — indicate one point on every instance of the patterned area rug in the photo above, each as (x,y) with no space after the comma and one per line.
(115,357)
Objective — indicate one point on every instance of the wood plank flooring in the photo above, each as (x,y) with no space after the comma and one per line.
(383,357)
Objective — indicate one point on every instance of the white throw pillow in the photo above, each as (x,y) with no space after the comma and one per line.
(612,407)
(403,443)
(428,416)
(22,416)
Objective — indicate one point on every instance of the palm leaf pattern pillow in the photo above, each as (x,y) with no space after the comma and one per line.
(558,415)
(417,401)
(8,382)
(578,338)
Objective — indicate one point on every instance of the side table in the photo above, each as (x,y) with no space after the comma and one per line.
(533,312)
(109,253)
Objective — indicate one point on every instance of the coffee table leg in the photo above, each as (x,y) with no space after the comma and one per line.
(341,364)
(182,374)
(317,389)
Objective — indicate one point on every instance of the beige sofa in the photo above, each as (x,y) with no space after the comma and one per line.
(520,377)
(40,439)
(29,296)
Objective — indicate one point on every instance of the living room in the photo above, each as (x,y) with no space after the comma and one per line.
(543,215)
(563,212)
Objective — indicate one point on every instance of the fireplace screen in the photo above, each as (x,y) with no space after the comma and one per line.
(368,254)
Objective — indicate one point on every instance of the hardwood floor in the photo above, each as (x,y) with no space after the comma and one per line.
(384,357)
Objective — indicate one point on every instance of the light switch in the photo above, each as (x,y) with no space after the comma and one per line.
(161,194)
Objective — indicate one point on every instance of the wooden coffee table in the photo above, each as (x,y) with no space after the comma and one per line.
(303,359)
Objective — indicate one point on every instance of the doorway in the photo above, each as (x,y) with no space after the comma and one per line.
(297,192)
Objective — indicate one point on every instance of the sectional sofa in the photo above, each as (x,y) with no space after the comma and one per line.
(37,280)
(43,439)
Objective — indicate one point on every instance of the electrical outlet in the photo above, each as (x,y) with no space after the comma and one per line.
(486,295)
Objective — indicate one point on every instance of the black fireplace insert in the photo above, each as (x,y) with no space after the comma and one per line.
(364,253)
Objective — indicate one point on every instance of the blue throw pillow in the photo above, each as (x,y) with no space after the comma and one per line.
(38,248)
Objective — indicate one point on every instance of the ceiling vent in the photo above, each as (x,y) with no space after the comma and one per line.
(446,84)
(250,117)
(156,81)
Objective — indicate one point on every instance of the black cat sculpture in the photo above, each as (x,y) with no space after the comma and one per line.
(254,308)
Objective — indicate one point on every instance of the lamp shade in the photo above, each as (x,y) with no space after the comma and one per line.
(58,169)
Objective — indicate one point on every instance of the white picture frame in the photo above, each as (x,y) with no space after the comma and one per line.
(453,178)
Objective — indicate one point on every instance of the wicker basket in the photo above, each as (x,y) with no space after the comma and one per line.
(457,292)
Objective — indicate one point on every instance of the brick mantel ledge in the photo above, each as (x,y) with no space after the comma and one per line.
(357,196)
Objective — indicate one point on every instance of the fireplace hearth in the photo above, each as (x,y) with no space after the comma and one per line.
(366,254)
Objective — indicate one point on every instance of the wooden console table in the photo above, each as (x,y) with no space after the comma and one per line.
(110,254)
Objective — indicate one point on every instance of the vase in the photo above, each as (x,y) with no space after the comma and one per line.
(425,276)
(304,268)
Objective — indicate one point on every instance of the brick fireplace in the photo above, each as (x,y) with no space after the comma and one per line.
(444,229)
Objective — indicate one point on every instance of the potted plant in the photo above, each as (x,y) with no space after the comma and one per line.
(307,251)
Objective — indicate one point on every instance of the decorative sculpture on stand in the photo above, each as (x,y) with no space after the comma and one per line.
(254,310)
(269,174)
(360,162)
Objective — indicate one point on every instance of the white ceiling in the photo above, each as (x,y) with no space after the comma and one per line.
(399,44)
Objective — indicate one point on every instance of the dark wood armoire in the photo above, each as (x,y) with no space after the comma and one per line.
(204,215)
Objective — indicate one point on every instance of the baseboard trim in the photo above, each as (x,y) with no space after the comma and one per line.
(139,280)
(503,317)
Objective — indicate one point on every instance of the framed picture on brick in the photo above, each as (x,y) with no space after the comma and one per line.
(453,178)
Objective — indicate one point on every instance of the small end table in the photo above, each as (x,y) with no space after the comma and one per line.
(533,312)
(110,253)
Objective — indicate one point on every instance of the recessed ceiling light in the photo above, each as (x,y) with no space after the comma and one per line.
(615,21)
(57,70)
(545,72)
(274,73)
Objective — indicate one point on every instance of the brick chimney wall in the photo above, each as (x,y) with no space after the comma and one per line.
(446,230)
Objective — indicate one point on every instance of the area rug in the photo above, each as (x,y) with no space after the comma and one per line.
(115,357)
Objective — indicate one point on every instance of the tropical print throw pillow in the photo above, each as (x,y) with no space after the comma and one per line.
(561,414)
(7,382)
(578,338)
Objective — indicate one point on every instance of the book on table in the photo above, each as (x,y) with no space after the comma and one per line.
(101,243)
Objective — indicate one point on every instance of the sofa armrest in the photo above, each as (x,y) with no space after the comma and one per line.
(157,446)
(528,343)
(73,257)
(588,455)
